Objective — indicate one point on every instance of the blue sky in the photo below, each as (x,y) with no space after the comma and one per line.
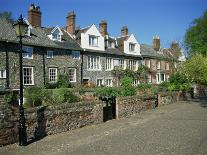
(168,19)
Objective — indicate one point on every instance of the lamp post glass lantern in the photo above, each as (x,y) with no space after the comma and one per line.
(21,28)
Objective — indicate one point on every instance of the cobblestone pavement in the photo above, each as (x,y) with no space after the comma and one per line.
(179,129)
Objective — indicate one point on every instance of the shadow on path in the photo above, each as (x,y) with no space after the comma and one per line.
(40,132)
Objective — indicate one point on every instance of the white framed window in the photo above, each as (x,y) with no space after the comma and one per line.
(56,36)
(52,75)
(2,73)
(111,44)
(122,64)
(76,54)
(158,64)
(27,52)
(99,82)
(132,65)
(109,82)
(93,41)
(109,64)
(28,76)
(94,63)
(50,54)
(72,74)
(160,77)
(167,67)
(131,47)
(135,82)
(148,63)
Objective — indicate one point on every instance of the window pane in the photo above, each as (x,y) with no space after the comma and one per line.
(52,74)
(72,74)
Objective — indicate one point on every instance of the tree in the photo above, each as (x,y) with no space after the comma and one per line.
(195,69)
(196,36)
(7,15)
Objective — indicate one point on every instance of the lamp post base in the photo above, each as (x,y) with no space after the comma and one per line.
(22,128)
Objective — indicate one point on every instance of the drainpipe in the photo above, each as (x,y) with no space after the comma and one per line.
(43,60)
(82,66)
(7,66)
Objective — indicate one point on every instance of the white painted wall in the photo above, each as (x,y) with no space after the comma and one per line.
(133,40)
(85,39)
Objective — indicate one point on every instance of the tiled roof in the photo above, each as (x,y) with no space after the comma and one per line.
(38,37)
(121,40)
(148,51)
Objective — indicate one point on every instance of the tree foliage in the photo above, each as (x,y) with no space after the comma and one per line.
(195,69)
(196,36)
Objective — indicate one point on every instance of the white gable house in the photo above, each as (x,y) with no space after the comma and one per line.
(92,39)
(131,46)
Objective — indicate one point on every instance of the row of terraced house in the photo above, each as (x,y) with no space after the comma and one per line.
(86,55)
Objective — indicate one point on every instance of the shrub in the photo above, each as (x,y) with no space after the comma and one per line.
(108,91)
(63,95)
(11,98)
(34,96)
(144,86)
(51,85)
(128,91)
(63,81)
(185,87)
(126,81)
(70,97)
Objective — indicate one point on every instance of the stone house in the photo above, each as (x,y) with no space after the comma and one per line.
(86,55)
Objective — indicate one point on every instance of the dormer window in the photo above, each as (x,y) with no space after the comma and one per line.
(131,47)
(111,44)
(56,34)
(93,41)
(56,37)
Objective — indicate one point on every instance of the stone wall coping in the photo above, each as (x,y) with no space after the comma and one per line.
(63,106)
(141,97)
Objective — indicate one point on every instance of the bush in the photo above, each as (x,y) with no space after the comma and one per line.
(11,98)
(126,81)
(185,87)
(34,96)
(70,97)
(63,81)
(144,86)
(108,91)
(128,91)
(51,85)
(63,95)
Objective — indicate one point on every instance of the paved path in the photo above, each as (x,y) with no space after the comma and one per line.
(178,129)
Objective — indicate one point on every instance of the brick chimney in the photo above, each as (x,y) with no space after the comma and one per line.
(103,28)
(124,31)
(156,43)
(34,15)
(175,45)
(70,25)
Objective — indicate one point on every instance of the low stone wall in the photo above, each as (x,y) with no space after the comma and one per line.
(55,119)
(42,121)
(127,106)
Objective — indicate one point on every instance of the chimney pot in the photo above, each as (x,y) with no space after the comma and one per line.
(124,31)
(34,15)
(70,25)
(156,43)
(103,28)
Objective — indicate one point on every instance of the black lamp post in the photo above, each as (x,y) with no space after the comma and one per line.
(21,29)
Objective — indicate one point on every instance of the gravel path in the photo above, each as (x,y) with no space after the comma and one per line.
(179,129)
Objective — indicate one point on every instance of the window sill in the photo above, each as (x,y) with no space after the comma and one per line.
(94,69)
(29,84)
